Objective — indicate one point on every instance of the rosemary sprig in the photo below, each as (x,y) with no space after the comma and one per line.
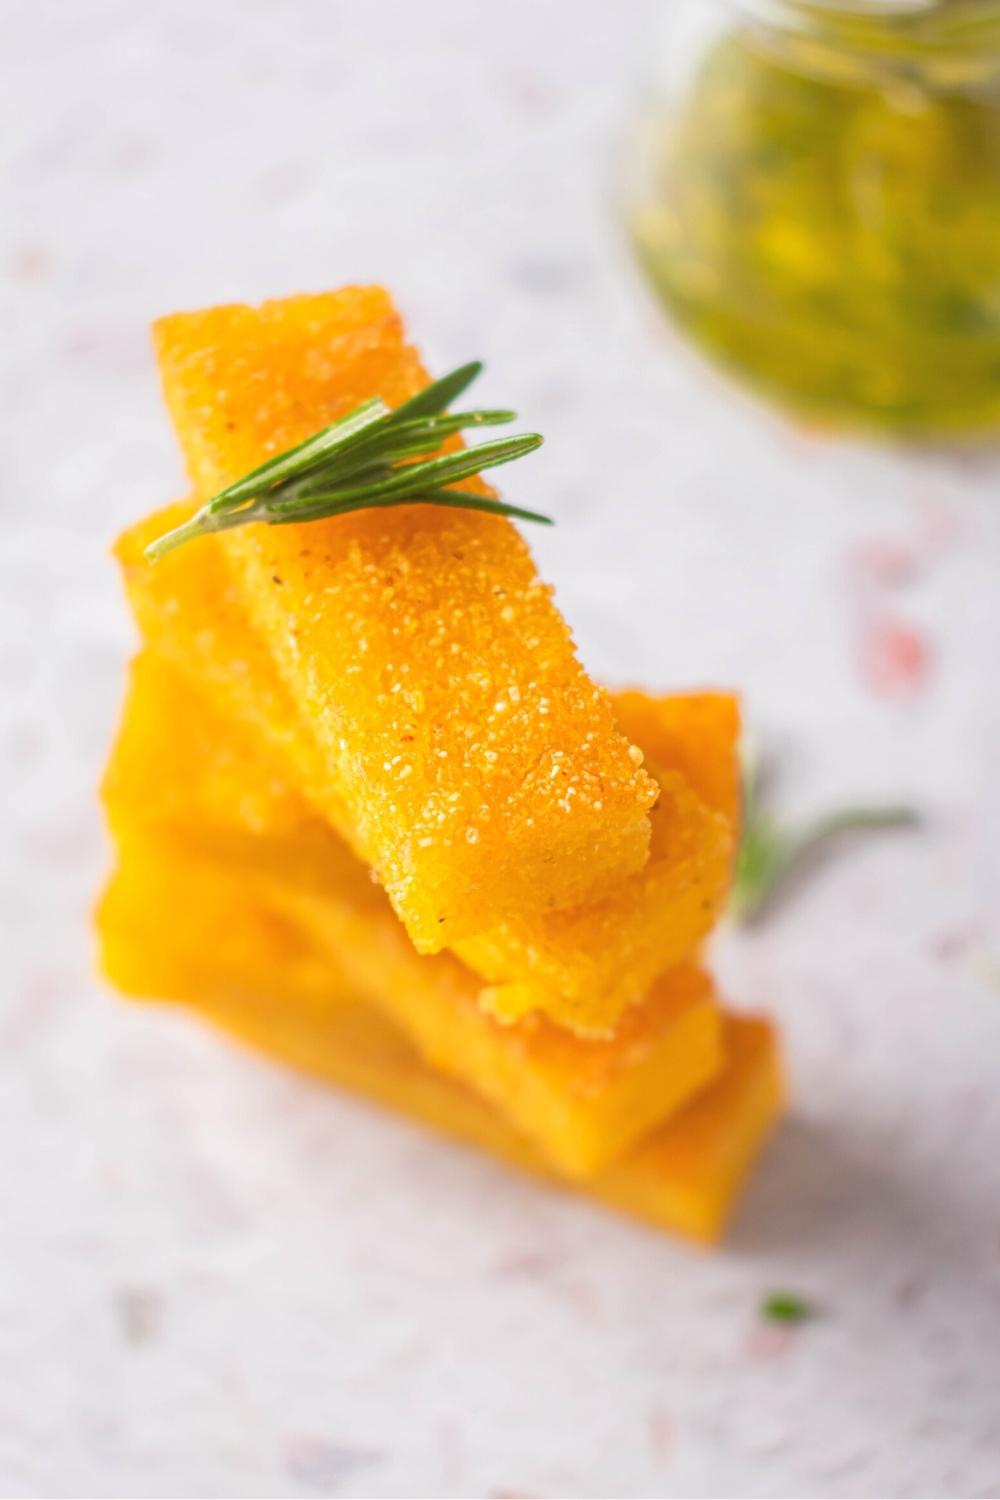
(771,855)
(372,457)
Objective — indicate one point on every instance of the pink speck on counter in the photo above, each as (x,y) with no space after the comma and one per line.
(661,1434)
(895,658)
(884,563)
(30,262)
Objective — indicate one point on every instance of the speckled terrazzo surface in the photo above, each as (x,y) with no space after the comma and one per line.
(218,1280)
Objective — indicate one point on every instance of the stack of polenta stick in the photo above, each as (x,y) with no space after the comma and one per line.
(372,816)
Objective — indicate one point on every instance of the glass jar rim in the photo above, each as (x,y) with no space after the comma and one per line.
(955,26)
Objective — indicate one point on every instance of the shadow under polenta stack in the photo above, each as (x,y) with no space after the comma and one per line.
(452,873)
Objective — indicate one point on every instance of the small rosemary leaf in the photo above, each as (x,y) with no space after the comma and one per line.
(422,436)
(450,422)
(787,1308)
(375,470)
(451,467)
(466,500)
(448,469)
(434,430)
(439,394)
(303,458)
(489,416)
(450,499)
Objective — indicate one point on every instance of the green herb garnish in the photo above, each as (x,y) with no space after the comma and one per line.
(771,855)
(788,1308)
(373,457)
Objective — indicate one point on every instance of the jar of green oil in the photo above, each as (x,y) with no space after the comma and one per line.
(816,199)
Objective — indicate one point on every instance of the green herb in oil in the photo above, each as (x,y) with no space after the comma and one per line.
(821,213)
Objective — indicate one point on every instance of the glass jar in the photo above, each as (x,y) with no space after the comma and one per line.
(814,194)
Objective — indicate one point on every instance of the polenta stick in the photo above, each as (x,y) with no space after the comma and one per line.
(481,768)
(685,1177)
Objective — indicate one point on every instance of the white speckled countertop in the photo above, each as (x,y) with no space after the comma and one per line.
(218,1280)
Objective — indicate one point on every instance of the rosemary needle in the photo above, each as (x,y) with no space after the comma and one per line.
(771,855)
(371,458)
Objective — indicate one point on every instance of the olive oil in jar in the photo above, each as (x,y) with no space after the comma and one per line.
(819,207)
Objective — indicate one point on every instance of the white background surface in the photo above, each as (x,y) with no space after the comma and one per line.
(219,1280)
